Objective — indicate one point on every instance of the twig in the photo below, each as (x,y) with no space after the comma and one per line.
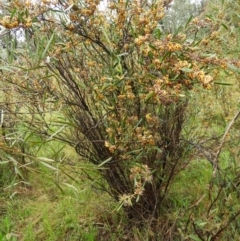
(197,202)
(215,161)
(197,231)
(231,219)
(206,154)
(215,199)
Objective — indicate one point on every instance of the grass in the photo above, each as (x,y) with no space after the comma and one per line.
(57,207)
(47,214)
(44,212)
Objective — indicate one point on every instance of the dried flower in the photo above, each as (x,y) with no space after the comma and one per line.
(126,199)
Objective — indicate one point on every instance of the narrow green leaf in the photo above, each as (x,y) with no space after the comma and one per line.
(222,83)
(69,185)
(48,46)
(49,166)
(21,17)
(104,162)
(66,123)
(4,162)
(238,15)
(138,123)
(202,224)
(118,207)
(6,68)
(188,21)
(157,33)
(134,151)
(185,69)
(225,26)
(34,68)
(149,96)
(45,159)
(126,4)
(194,237)
(196,43)
(17,171)
(9,236)
(59,187)
(55,133)
(152,47)
(56,10)
(177,31)
(12,14)
(234,68)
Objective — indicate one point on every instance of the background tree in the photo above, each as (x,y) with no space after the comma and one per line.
(180,11)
